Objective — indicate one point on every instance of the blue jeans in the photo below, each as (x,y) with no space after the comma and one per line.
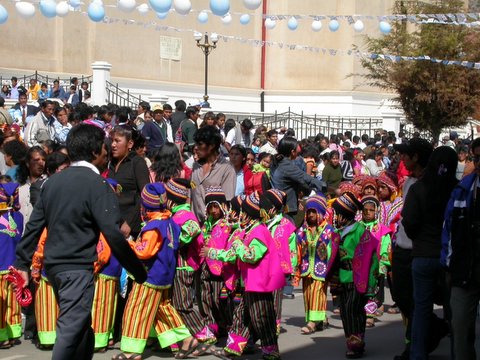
(425,272)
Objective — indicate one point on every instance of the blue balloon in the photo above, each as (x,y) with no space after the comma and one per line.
(162,15)
(3,15)
(292,24)
(160,6)
(385,27)
(48,8)
(202,17)
(96,12)
(220,7)
(244,19)
(333,25)
(75,3)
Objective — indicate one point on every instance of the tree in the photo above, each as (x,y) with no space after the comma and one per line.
(433,96)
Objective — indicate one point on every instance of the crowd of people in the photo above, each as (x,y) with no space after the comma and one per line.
(225,219)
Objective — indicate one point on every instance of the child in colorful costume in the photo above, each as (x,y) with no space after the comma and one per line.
(11,226)
(149,304)
(318,245)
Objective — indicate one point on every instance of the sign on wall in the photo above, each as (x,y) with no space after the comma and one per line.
(170,48)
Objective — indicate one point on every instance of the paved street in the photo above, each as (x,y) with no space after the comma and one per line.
(383,341)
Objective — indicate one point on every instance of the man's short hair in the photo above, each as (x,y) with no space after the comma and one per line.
(272,132)
(247,124)
(180,105)
(84,142)
(208,135)
(167,107)
(190,110)
(145,105)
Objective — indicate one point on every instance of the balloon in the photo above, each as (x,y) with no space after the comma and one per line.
(25,9)
(48,8)
(385,27)
(292,23)
(358,26)
(227,19)
(182,7)
(62,9)
(160,6)
(244,19)
(202,17)
(162,15)
(126,5)
(3,15)
(143,9)
(252,4)
(96,12)
(333,25)
(316,25)
(220,7)
(75,3)
(270,23)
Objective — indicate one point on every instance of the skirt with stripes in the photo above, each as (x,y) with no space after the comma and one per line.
(104,308)
(46,312)
(315,299)
(10,311)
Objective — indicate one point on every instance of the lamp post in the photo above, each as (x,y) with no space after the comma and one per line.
(207,48)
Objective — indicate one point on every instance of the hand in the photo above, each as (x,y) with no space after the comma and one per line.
(204,251)
(24,276)
(125,229)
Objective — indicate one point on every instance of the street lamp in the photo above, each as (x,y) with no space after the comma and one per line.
(207,48)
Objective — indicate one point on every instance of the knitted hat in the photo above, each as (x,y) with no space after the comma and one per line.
(358,180)
(9,196)
(277,198)
(251,205)
(370,199)
(348,186)
(269,208)
(116,187)
(154,197)
(318,203)
(215,194)
(347,205)
(369,181)
(177,190)
(383,178)
(236,203)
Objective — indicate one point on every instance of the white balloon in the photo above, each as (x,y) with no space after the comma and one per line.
(62,8)
(358,26)
(182,7)
(252,4)
(25,9)
(127,5)
(227,19)
(270,23)
(143,9)
(316,25)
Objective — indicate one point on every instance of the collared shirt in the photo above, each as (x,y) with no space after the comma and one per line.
(86,164)
(268,148)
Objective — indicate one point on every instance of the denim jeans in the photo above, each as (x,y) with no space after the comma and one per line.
(425,272)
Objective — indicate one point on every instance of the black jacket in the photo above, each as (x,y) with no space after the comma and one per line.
(76,205)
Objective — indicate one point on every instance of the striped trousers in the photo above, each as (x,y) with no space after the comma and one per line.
(352,312)
(10,311)
(46,312)
(217,312)
(146,307)
(182,300)
(261,317)
(103,309)
(315,299)
(239,332)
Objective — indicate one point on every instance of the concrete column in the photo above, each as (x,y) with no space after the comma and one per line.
(101,74)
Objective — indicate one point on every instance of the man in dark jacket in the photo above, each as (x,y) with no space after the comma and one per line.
(461,256)
(75,205)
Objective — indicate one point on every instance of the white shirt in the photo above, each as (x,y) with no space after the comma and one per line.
(231,138)
(86,164)
(268,148)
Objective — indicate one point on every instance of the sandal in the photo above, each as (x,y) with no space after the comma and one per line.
(393,309)
(122,356)
(221,354)
(308,329)
(336,311)
(5,345)
(202,349)
(184,354)
(370,322)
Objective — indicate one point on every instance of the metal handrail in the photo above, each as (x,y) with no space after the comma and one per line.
(116,95)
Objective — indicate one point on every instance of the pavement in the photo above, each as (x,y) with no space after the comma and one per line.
(383,341)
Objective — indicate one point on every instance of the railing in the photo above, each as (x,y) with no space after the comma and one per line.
(310,125)
(25,80)
(116,95)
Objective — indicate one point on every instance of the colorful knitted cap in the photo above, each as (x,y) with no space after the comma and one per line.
(369,181)
(277,198)
(177,190)
(318,203)
(154,197)
(370,199)
(215,194)
(236,203)
(383,178)
(9,196)
(251,205)
(116,187)
(348,186)
(347,205)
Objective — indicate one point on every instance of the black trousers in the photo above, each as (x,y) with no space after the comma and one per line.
(74,292)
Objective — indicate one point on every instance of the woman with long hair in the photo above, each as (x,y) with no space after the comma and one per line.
(168,164)
(423,216)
